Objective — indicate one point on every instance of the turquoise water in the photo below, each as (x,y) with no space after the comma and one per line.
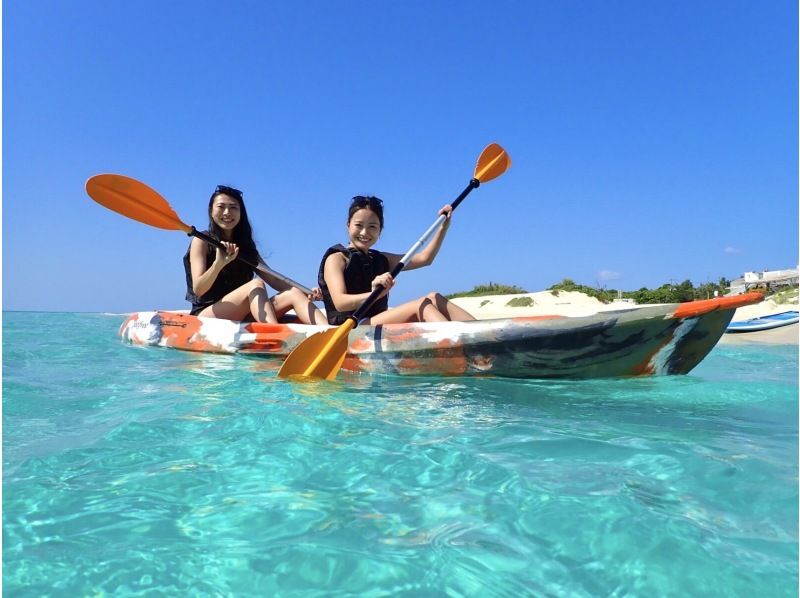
(153,472)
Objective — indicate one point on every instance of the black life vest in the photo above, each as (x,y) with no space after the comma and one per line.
(230,278)
(359,271)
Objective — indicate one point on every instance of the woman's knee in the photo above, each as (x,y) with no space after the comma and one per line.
(433,299)
(432,307)
(436,298)
(423,302)
(296,294)
(255,287)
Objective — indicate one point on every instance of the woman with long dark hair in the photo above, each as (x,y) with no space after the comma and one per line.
(220,286)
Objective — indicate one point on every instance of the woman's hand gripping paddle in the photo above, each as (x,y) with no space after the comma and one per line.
(136,200)
(321,355)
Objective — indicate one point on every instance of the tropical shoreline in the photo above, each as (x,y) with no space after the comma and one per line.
(575,304)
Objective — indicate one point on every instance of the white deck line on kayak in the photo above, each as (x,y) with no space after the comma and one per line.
(659,361)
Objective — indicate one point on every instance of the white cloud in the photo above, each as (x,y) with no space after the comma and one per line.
(605,275)
(732,250)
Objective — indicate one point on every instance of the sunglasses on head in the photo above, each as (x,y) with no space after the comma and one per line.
(228,191)
(364,201)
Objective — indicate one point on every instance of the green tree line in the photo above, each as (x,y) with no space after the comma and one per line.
(666,293)
(489,289)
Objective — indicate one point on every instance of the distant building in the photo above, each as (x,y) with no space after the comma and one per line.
(769,280)
(621,299)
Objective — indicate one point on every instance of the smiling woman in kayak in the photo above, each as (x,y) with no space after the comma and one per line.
(347,275)
(220,286)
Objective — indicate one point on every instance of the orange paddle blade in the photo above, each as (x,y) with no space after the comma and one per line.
(135,200)
(492,162)
(319,356)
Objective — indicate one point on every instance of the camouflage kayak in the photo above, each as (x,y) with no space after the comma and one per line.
(648,340)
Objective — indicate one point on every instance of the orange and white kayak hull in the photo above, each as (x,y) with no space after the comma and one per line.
(647,340)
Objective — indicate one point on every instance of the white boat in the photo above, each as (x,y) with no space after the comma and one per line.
(784,318)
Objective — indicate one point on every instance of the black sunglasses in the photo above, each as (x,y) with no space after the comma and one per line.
(366,201)
(228,191)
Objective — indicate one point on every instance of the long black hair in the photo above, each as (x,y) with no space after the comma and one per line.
(243,232)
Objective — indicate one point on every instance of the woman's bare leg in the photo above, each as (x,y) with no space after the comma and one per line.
(433,307)
(295,299)
(249,299)
(450,310)
(418,310)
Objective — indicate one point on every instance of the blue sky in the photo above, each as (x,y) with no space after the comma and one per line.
(651,141)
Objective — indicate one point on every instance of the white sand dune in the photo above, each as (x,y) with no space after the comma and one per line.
(565,303)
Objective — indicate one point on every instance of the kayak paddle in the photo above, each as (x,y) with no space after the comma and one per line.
(322,354)
(137,201)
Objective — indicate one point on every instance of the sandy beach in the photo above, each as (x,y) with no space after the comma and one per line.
(578,304)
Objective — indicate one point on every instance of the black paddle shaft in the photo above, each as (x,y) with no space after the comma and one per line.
(209,239)
(359,313)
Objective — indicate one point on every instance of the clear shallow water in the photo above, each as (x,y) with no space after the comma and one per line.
(132,471)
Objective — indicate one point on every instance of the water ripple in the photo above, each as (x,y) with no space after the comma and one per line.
(156,472)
